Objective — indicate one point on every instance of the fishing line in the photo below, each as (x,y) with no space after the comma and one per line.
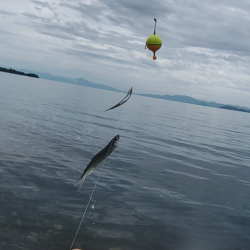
(90,198)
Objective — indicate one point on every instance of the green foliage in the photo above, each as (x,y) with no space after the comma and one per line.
(12,71)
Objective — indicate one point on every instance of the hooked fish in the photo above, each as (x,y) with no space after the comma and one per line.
(98,158)
(123,100)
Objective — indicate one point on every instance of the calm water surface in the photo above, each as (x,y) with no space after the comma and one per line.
(179,180)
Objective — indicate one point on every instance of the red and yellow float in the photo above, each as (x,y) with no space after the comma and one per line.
(154,42)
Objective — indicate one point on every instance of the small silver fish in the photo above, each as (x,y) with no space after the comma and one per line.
(123,100)
(98,158)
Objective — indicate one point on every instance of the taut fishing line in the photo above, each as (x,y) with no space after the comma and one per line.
(153,43)
(90,198)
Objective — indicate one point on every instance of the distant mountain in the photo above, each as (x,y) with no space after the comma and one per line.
(184,99)
(13,71)
(77,81)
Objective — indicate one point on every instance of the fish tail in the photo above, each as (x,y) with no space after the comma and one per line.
(80,182)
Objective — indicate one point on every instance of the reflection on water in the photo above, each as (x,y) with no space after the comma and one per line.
(178,180)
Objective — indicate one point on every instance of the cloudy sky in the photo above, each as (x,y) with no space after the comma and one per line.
(205,52)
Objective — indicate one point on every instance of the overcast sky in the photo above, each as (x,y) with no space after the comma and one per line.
(205,52)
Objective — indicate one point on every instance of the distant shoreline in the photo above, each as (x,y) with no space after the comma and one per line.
(12,71)
(190,100)
(176,98)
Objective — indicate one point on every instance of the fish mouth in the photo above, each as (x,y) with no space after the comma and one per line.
(116,140)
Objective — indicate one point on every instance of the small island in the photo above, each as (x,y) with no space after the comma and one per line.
(234,108)
(12,71)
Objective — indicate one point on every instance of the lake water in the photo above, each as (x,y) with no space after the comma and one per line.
(179,180)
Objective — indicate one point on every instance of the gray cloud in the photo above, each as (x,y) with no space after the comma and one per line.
(3,12)
(205,44)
